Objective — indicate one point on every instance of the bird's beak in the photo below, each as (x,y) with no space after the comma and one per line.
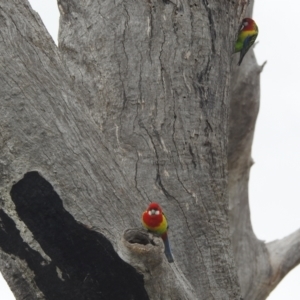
(152,212)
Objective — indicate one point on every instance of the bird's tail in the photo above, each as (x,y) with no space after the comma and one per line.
(242,54)
(168,252)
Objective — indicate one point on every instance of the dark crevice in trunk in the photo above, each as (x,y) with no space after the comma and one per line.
(83,263)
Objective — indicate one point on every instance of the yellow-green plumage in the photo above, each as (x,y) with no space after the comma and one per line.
(242,37)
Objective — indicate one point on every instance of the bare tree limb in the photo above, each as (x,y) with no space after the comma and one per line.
(284,256)
(260,266)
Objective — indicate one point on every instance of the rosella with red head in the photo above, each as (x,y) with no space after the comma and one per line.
(155,221)
(246,38)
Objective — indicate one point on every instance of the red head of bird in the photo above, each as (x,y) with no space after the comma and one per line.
(248,24)
(153,216)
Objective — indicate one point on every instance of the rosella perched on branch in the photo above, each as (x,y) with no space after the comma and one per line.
(246,38)
(155,221)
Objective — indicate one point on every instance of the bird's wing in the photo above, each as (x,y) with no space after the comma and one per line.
(248,42)
(166,221)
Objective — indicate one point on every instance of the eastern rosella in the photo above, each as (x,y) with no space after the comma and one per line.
(246,38)
(155,221)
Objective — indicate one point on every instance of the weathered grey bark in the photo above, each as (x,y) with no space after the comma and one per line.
(131,107)
(261,266)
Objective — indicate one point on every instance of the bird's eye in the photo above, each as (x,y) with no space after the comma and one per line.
(157,212)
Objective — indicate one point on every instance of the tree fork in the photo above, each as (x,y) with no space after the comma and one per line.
(132,107)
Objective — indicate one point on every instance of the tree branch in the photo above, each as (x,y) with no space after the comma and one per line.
(260,266)
(284,256)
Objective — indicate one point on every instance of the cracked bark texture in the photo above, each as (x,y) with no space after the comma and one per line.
(131,107)
(260,265)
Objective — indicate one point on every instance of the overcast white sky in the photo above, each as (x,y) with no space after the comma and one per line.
(274,190)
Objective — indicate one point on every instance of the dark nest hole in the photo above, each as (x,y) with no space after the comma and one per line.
(138,236)
(83,262)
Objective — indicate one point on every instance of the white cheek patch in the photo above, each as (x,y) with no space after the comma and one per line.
(149,213)
(157,212)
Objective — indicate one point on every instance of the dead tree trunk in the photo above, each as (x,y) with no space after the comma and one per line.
(132,107)
(260,265)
